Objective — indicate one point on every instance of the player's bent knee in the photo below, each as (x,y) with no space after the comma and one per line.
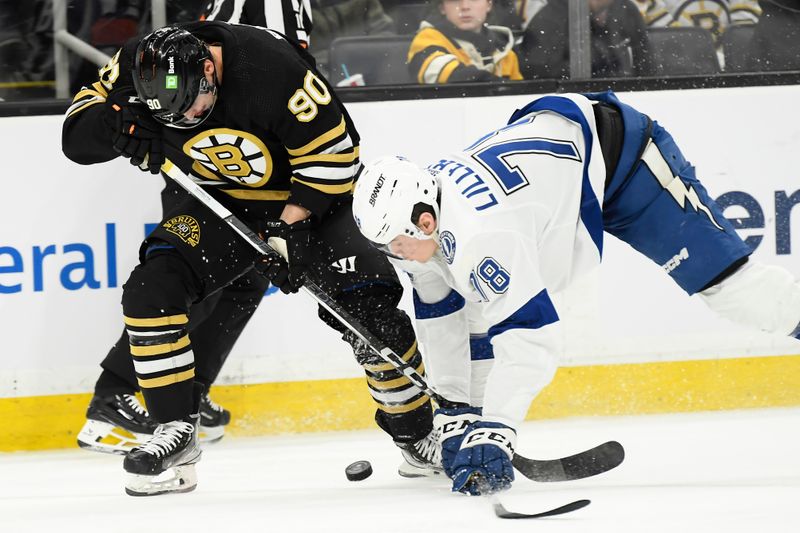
(160,285)
(375,308)
(766,297)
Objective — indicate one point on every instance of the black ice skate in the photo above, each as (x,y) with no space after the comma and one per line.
(213,419)
(422,458)
(165,463)
(115,424)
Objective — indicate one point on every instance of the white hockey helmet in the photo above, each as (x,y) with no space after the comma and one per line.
(385,195)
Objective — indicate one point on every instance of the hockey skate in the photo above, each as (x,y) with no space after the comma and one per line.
(213,419)
(422,458)
(115,424)
(165,463)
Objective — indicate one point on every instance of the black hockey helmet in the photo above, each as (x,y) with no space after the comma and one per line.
(168,75)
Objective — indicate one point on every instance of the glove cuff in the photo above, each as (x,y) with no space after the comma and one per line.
(500,435)
(454,422)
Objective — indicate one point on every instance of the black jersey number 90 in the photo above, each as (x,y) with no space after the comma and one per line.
(304,103)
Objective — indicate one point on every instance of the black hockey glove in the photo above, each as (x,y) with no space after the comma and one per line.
(135,134)
(287,273)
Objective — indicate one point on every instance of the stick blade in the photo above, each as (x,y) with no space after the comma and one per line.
(592,462)
(502,512)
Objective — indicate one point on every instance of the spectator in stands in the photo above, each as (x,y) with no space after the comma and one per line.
(456,45)
(507,13)
(714,16)
(619,44)
(655,13)
(776,40)
(345,18)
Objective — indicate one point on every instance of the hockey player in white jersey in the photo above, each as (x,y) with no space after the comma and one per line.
(516,217)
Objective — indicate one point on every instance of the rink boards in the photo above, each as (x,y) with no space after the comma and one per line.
(635,342)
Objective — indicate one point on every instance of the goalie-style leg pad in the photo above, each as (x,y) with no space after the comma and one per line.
(765,297)
(404,411)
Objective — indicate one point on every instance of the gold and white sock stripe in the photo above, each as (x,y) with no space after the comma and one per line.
(161,357)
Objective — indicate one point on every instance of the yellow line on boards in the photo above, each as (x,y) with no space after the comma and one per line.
(48,422)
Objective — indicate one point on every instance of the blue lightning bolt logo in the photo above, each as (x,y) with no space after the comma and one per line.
(672,184)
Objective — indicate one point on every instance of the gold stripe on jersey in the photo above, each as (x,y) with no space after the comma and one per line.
(394,383)
(160,349)
(88,97)
(262,196)
(435,46)
(340,188)
(433,38)
(426,64)
(334,133)
(344,157)
(96,90)
(172,320)
(88,103)
(169,379)
(388,366)
(404,408)
(746,7)
(444,75)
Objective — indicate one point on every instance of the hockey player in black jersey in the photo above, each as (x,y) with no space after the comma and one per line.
(115,420)
(245,113)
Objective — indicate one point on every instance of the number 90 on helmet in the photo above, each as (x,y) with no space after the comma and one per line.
(385,195)
(168,74)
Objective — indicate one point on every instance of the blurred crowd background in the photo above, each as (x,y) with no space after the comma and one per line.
(396,42)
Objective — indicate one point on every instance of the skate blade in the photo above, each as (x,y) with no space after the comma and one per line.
(410,471)
(173,480)
(104,437)
(210,434)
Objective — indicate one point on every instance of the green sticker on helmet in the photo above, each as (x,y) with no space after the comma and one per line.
(171,82)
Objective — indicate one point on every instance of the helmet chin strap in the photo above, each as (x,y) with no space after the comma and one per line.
(206,88)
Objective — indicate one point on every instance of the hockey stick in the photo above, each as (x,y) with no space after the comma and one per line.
(584,464)
(309,286)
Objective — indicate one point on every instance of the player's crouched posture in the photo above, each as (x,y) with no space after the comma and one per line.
(250,118)
(517,217)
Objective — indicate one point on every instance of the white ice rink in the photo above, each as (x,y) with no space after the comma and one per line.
(695,473)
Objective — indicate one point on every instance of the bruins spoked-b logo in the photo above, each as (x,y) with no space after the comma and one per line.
(233,155)
(185,227)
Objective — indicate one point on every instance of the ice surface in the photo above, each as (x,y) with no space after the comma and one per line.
(694,473)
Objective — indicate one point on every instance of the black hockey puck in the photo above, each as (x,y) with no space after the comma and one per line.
(358,470)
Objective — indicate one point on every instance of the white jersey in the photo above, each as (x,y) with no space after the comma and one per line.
(519,220)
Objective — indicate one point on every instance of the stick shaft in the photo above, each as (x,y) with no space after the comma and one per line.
(309,286)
